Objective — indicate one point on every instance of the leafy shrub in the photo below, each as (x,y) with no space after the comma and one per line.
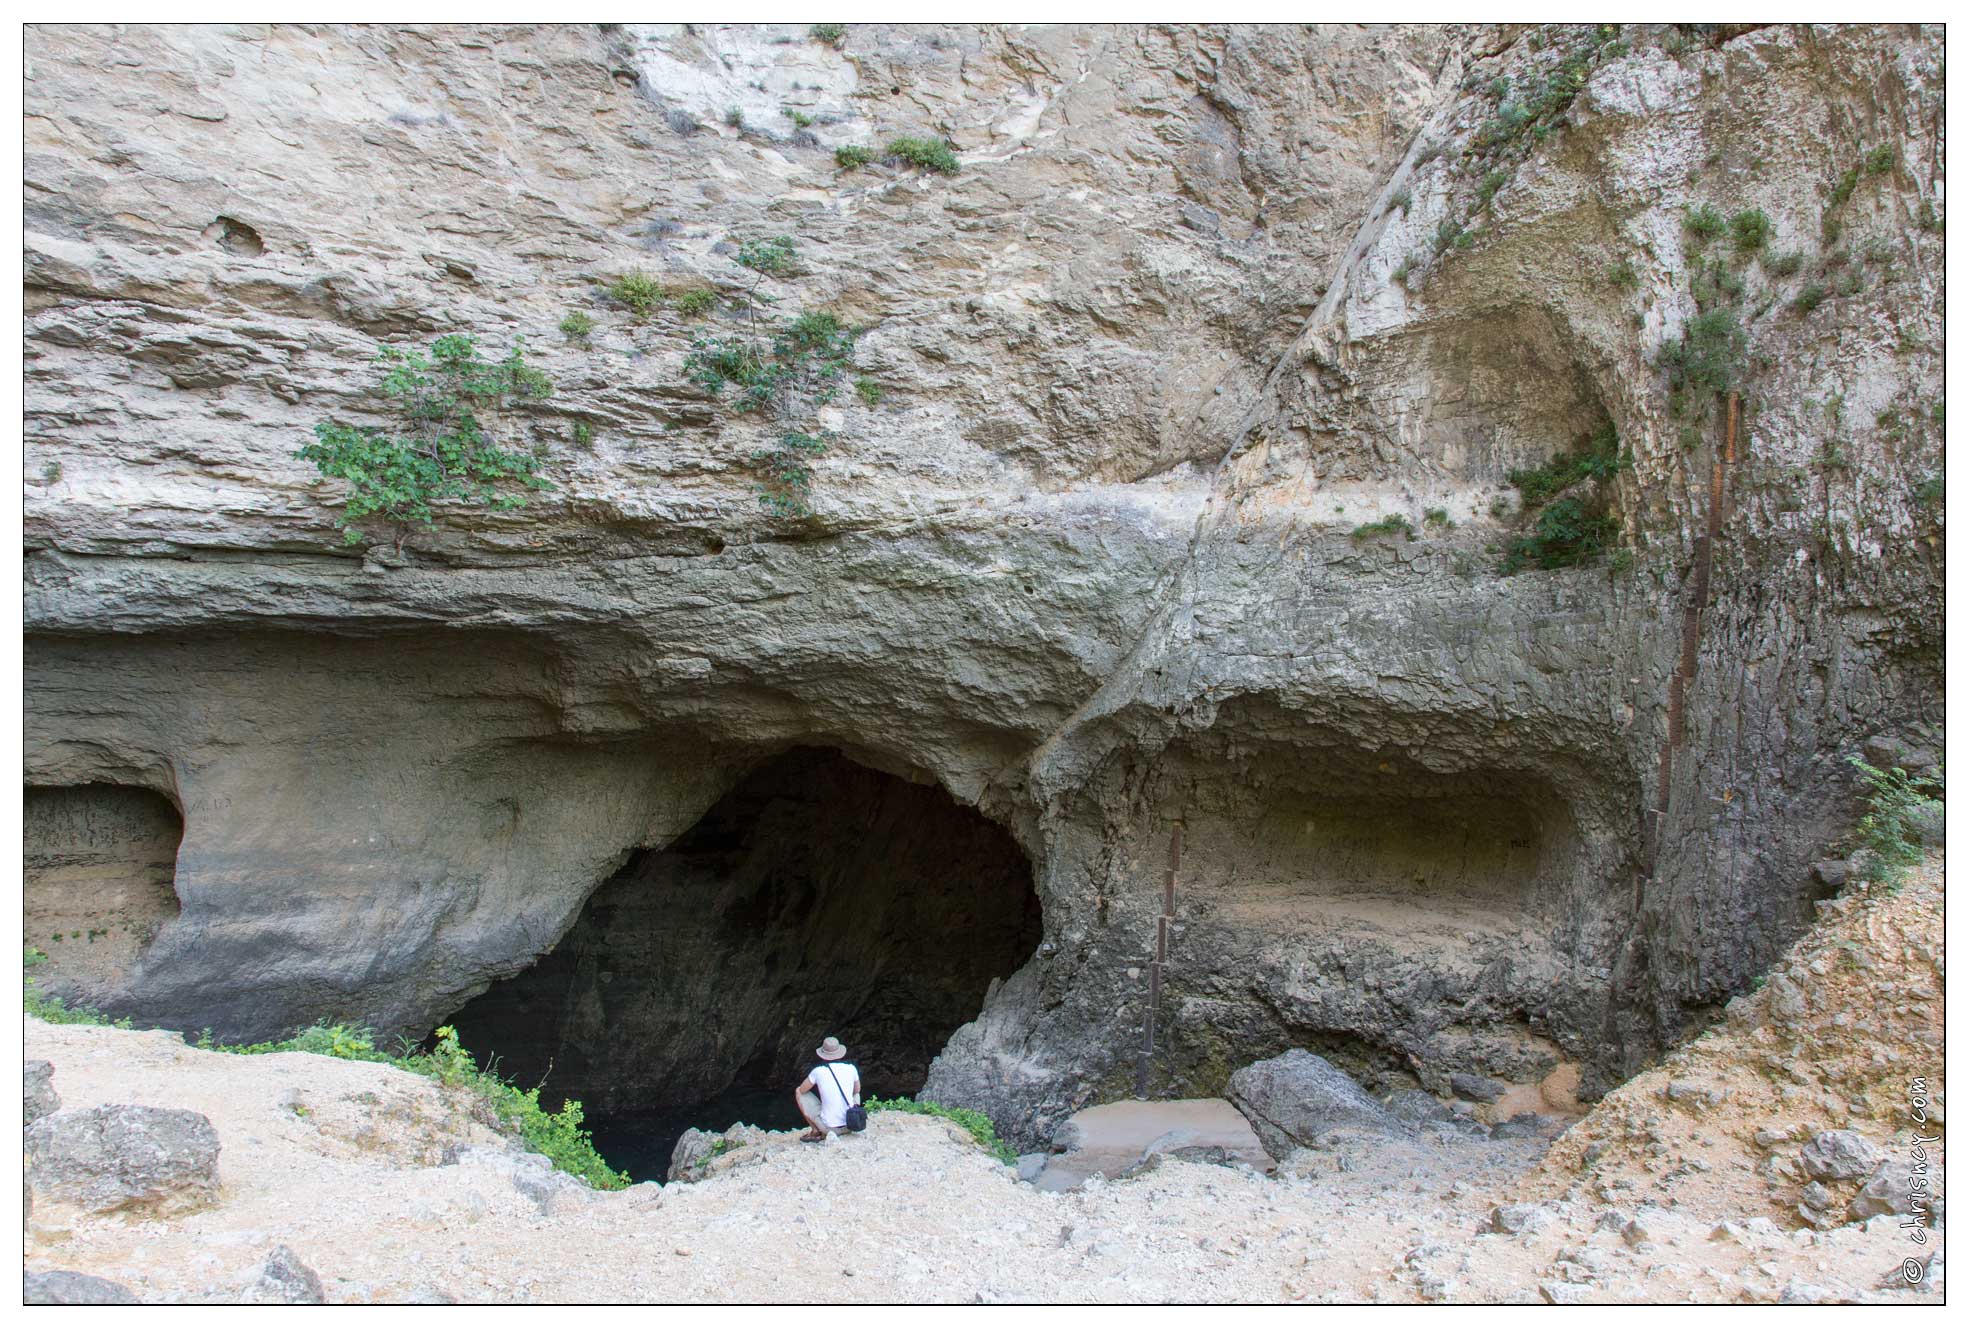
(800,119)
(931,154)
(1704,359)
(1782,265)
(638,292)
(1597,458)
(735,117)
(829,34)
(977,1123)
(1568,533)
(1704,223)
(439,448)
(786,474)
(1622,274)
(577,325)
(1715,284)
(1438,517)
(1402,199)
(1450,232)
(694,302)
(1392,524)
(1751,230)
(1880,161)
(853,156)
(584,434)
(1488,187)
(1932,490)
(770,257)
(1887,831)
(1575,528)
(869,391)
(1808,299)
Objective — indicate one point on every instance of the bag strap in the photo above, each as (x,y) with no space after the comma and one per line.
(837,1085)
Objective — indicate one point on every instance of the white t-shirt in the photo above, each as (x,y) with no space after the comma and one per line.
(834,1101)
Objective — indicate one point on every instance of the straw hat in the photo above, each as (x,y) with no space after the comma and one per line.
(831,1050)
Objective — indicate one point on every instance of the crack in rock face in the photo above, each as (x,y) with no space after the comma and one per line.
(1183,442)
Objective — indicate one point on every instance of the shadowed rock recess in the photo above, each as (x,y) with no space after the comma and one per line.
(652,783)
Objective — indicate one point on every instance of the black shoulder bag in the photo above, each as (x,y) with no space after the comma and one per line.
(857,1114)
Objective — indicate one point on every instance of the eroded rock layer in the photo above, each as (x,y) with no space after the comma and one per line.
(1201,309)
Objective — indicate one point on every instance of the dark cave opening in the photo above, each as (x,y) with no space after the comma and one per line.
(818,897)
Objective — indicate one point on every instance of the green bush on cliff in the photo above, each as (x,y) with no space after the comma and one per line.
(977,1123)
(1887,831)
(441,446)
(931,154)
(1570,526)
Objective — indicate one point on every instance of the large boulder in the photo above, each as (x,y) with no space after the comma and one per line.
(1839,1156)
(120,1157)
(65,1287)
(532,1175)
(1296,1099)
(38,1096)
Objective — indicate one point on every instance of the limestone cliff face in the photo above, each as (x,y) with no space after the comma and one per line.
(1198,303)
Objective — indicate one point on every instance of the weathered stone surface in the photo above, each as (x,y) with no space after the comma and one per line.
(1838,1156)
(1887,1191)
(1516,1218)
(695,1149)
(38,1096)
(99,1160)
(532,1175)
(282,1279)
(1417,1106)
(1297,1099)
(1478,1088)
(1089,565)
(64,1287)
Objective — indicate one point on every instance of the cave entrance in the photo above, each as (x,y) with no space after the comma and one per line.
(99,864)
(818,897)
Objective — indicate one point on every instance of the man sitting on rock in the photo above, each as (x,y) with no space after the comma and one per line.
(827,1093)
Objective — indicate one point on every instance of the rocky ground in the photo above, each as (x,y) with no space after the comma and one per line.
(1767,1161)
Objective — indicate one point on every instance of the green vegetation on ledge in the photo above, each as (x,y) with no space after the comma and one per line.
(1569,527)
(441,446)
(932,154)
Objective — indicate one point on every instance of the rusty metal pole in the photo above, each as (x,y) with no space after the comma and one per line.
(1160,957)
